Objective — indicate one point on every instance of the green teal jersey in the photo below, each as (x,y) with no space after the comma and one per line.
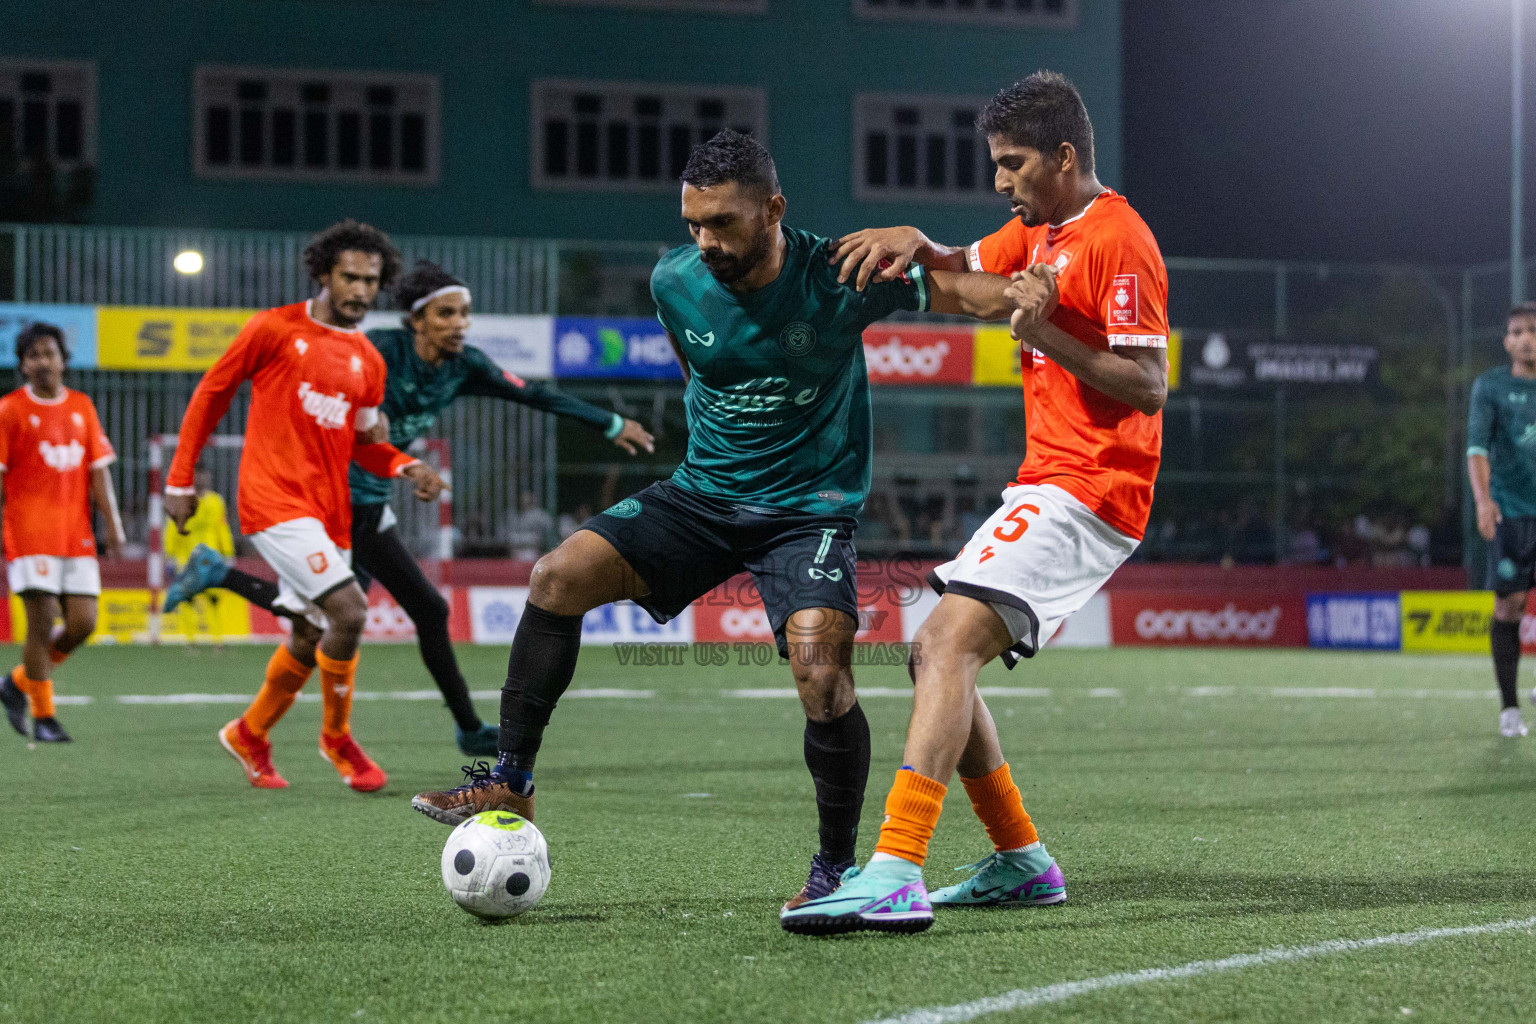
(1501,425)
(415,391)
(778,395)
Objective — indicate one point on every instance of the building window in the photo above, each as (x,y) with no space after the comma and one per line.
(631,137)
(723,6)
(48,112)
(920,147)
(1016,13)
(293,125)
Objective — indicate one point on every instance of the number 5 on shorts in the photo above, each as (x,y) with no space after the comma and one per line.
(1008,536)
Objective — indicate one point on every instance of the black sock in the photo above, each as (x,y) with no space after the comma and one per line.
(1504,637)
(254,589)
(837,753)
(431,619)
(541,666)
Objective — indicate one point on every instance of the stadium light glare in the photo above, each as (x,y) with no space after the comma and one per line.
(188,261)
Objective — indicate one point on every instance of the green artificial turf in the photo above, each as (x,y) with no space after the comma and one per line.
(145,881)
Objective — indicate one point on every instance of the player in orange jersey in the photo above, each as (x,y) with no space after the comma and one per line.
(1091,293)
(316,385)
(53,464)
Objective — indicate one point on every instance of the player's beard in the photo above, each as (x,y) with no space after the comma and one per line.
(728,269)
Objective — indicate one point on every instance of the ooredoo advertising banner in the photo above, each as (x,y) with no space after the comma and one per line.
(910,354)
(1253,618)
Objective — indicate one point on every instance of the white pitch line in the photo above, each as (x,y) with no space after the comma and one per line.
(772,693)
(1024,998)
(407,695)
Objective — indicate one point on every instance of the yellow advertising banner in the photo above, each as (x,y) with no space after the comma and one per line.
(1449,621)
(997,358)
(122,616)
(162,338)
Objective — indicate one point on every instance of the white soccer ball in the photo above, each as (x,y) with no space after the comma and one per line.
(496,865)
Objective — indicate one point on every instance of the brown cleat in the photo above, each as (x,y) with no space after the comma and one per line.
(823,881)
(482,792)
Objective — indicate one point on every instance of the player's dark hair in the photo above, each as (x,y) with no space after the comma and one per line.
(1523,309)
(322,252)
(421,280)
(1041,112)
(35,332)
(731,156)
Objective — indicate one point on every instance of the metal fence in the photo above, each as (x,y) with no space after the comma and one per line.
(1295,474)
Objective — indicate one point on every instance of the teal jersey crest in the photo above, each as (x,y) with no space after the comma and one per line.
(415,391)
(778,395)
(1501,424)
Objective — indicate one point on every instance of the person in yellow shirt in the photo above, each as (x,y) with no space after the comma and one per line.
(208,525)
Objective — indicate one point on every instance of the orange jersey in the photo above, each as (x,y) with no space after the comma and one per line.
(47,450)
(310,384)
(1114,292)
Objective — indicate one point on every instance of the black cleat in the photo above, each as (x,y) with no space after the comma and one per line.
(15,703)
(48,730)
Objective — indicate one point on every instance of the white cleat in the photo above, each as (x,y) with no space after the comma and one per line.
(1511,724)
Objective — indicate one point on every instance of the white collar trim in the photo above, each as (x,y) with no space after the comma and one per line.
(63,394)
(1079,214)
(309,311)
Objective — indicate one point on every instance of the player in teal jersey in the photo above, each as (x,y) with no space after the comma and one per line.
(429,367)
(777,469)
(1501,460)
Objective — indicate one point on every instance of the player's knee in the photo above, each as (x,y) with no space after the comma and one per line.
(1509,608)
(826,688)
(433,610)
(556,584)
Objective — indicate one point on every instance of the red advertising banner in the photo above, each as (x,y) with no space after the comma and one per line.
(908,354)
(1174,618)
(733,613)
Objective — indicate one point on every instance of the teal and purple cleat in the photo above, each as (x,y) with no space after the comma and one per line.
(205,568)
(887,896)
(1027,878)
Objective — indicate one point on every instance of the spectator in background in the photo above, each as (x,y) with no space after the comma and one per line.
(530,529)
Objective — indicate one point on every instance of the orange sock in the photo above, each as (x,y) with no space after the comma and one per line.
(336,678)
(286,676)
(39,691)
(998,804)
(911,814)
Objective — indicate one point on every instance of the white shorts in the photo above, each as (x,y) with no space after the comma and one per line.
(55,575)
(308,563)
(1038,559)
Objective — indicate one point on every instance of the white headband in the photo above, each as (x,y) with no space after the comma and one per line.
(415,306)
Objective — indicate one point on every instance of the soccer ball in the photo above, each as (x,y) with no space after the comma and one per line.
(496,865)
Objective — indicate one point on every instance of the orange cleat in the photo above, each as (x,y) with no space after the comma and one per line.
(357,768)
(253,753)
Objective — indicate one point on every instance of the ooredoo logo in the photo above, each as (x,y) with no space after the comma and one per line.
(744,622)
(1194,624)
(906,360)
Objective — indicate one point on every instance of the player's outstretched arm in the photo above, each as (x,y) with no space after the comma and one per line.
(492,382)
(884,254)
(983,296)
(209,402)
(105,497)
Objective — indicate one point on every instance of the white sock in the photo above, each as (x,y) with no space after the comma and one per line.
(1032,847)
(887,858)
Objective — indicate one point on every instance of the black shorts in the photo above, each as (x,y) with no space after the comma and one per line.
(684,544)
(1512,556)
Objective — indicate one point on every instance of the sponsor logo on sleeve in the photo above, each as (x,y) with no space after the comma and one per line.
(1124,301)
